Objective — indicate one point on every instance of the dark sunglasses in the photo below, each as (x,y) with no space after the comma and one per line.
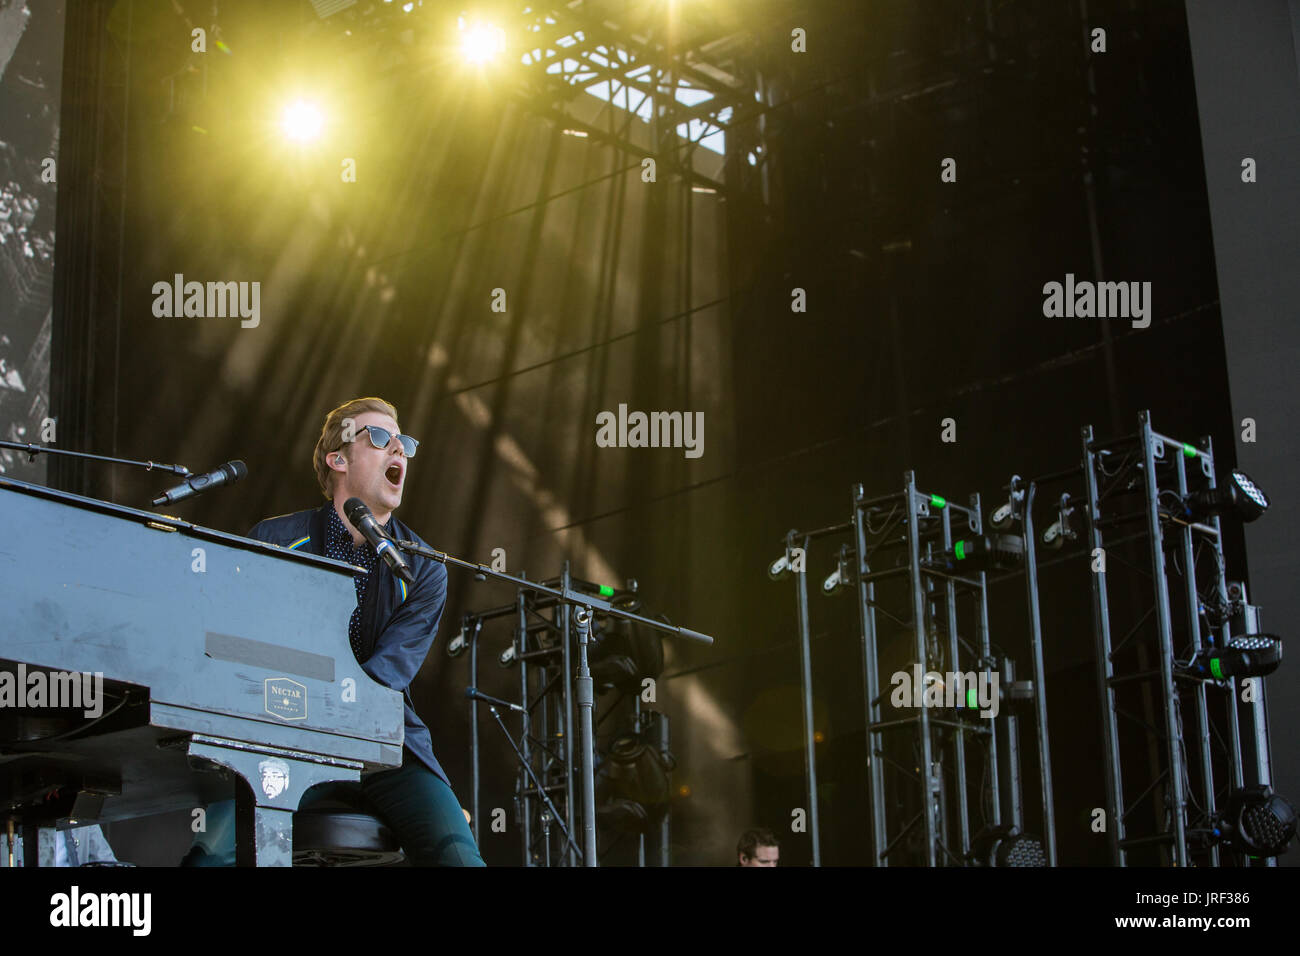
(380,437)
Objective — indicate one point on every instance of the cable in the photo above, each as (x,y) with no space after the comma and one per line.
(1101,467)
(888,518)
(21,746)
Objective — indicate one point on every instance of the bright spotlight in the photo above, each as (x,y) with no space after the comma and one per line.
(302,121)
(480,42)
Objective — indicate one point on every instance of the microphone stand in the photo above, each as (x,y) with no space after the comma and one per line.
(34,450)
(492,702)
(584,605)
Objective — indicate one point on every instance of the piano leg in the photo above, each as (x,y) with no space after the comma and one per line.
(277,779)
(263,837)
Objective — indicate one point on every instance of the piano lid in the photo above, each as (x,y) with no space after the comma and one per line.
(210,623)
(155,519)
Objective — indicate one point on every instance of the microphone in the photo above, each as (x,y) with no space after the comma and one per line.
(473,694)
(227,474)
(365,522)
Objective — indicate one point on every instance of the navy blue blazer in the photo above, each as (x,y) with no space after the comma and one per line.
(398,624)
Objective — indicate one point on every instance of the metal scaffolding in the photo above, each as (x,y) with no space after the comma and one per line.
(920,561)
(543,651)
(1160,797)
(939,803)
(1019,512)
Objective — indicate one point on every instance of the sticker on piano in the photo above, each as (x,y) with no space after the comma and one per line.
(285,698)
(275,777)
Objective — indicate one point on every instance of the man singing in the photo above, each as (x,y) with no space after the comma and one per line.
(360,454)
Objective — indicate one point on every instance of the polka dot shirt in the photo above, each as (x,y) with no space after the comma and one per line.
(338,545)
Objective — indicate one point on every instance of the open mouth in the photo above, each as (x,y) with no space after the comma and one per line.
(394,475)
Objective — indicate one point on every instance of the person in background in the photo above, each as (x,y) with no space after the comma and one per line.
(758,847)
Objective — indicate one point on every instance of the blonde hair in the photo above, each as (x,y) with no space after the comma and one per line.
(331,436)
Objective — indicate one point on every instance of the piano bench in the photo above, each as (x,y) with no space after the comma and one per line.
(334,834)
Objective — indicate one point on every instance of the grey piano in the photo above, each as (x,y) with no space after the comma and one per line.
(219,654)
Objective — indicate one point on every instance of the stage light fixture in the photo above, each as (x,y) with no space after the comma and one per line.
(990,552)
(1249,655)
(1006,846)
(633,786)
(1257,822)
(622,654)
(1239,496)
(507,657)
(302,121)
(481,42)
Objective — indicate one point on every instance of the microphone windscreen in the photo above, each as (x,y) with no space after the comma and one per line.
(355,509)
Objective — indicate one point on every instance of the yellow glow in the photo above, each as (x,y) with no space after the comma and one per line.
(302,121)
(480,42)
